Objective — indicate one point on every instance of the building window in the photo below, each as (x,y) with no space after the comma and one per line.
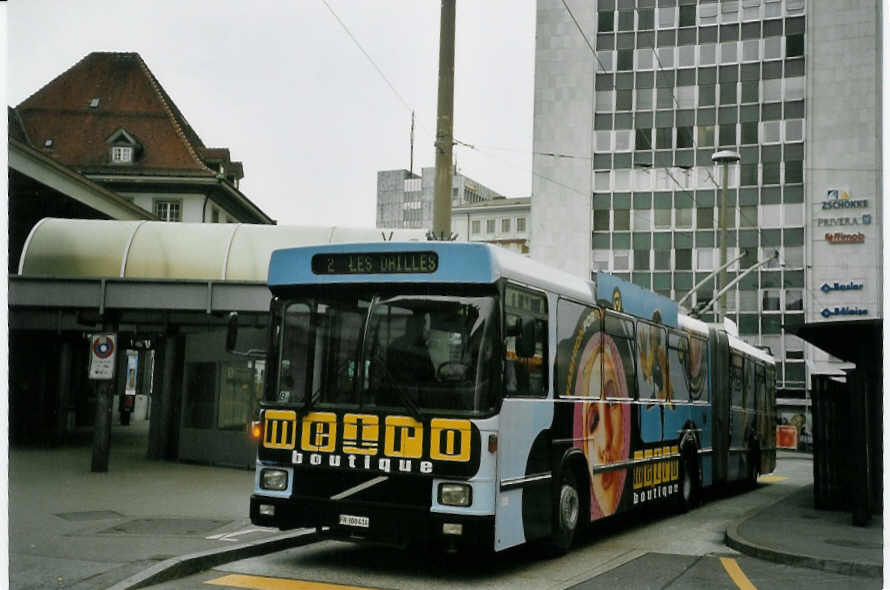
(168,210)
(704,217)
(662,218)
(794,299)
(601,220)
(684,137)
(621,219)
(687,16)
(794,45)
(794,130)
(489,226)
(122,154)
(520,224)
(505,226)
(706,135)
(770,300)
(683,259)
(476,225)
(620,260)
(606,21)
(704,258)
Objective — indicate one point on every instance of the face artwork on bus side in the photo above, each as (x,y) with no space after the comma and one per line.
(601,426)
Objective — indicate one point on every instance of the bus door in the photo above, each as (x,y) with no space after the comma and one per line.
(523,503)
(720,393)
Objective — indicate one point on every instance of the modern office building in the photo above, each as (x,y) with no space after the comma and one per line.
(405,199)
(637,95)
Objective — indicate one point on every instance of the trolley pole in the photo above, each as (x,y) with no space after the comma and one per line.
(444,125)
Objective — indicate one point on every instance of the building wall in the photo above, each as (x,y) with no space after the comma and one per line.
(193,206)
(563,105)
(844,155)
(668,85)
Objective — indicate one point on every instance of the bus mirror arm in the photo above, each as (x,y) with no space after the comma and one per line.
(232,340)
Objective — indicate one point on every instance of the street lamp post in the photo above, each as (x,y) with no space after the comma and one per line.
(725,157)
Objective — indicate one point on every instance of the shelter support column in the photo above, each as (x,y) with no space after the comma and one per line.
(63,403)
(861,482)
(161,422)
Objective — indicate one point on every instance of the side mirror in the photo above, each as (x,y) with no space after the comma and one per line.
(232,332)
(514,328)
(525,343)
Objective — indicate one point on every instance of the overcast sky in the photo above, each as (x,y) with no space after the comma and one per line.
(284,87)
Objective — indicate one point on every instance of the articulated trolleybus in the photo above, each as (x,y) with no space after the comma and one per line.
(467,396)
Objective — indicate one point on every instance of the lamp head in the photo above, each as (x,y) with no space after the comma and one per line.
(725,157)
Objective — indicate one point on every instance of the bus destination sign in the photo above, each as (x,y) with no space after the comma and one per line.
(351,263)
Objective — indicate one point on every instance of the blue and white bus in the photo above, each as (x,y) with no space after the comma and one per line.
(468,396)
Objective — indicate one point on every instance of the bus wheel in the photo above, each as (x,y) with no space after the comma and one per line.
(753,468)
(567,514)
(689,484)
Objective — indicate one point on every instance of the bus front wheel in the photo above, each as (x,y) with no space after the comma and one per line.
(567,514)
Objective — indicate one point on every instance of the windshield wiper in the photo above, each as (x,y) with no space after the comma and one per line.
(310,400)
(404,396)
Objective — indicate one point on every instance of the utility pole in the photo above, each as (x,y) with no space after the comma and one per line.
(444,125)
(411,163)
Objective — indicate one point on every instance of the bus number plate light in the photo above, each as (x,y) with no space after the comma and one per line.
(451,528)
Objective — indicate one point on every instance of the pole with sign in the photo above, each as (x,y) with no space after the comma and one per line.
(103,353)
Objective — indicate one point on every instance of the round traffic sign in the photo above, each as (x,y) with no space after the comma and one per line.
(103,347)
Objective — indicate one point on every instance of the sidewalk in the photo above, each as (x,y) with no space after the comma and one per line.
(793,532)
(142,521)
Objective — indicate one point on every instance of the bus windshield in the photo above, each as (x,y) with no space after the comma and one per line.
(407,353)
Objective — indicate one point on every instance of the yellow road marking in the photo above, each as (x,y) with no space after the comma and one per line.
(736,574)
(262,583)
(771,478)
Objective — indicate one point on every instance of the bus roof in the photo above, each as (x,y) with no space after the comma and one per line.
(418,262)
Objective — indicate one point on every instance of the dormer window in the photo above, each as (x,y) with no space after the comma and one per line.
(123,147)
(121,154)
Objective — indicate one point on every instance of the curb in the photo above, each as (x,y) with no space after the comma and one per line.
(186,565)
(733,539)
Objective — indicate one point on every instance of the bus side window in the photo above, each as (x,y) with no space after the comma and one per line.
(735,379)
(748,388)
(525,342)
(678,350)
(653,373)
(619,355)
(578,365)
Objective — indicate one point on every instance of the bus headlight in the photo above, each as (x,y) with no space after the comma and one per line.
(273,479)
(455,494)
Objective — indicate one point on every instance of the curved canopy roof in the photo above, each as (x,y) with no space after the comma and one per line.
(184,251)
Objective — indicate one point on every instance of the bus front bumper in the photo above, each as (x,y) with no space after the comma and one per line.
(389,525)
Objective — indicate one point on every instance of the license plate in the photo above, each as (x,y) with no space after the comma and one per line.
(359,521)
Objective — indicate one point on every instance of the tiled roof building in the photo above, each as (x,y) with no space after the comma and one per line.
(108,118)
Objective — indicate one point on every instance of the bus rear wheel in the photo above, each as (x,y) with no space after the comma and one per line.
(567,514)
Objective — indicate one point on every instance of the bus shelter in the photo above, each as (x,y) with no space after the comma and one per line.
(166,290)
